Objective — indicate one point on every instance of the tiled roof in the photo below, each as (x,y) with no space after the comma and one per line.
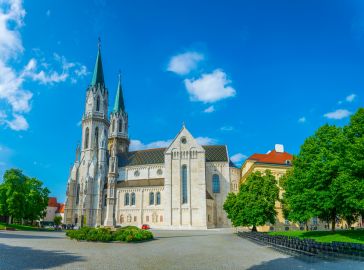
(156,156)
(60,208)
(142,157)
(215,153)
(52,202)
(272,157)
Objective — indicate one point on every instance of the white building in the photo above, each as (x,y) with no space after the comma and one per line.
(181,186)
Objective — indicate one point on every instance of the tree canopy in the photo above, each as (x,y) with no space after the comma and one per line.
(327,179)
(22,197)
(254,205)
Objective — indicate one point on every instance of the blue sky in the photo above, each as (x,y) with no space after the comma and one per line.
(248,74)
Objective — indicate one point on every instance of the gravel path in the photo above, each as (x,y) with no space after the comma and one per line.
(212,249)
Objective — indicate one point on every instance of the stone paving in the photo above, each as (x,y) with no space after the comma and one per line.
(212,249)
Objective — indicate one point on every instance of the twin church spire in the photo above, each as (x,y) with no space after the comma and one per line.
(98,79)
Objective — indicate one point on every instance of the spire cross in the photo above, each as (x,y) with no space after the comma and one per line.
(99,42)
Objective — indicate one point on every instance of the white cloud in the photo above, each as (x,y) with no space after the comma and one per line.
(184,63)
(49,75)
(81,71)
(139,145)
(42,77)
(205,140)
(238,158)
(2,115)
(338,114)
(302,119)
(12,91)
(209,109)
(11,20)
(18,123)
(210,87)
(227,128)
(350,98)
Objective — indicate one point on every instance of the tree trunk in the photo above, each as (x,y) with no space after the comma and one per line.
(9,220)
(333,221)
(306,225)
(254,229)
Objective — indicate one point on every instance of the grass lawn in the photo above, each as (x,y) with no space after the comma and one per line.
(352,236)
(20,227)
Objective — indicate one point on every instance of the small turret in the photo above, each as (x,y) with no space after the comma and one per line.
(118,131)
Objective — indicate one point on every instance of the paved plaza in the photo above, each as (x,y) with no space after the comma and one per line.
(212,249)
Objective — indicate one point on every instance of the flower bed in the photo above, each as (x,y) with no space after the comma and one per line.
(125,234)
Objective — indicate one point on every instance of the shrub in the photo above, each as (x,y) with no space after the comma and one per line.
(132,234)
(125,234)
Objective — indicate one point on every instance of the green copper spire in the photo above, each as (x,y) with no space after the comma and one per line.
(119,100)
(98,77)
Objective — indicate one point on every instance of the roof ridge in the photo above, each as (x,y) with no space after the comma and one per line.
(150,149)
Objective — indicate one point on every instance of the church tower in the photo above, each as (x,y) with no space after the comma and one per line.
(118,131)
(118,144)
(93,168)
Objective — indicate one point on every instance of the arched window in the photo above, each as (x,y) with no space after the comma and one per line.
(184,184)
(133,198)
(126,199)
(121,219)
(78,194)
(151,198)
(86,138)
(98,104)
(215,183)
(113,125)
(97,136)
(105,199)
(120,125)
(158,195)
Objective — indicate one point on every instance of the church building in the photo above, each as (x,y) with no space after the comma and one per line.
(183,186)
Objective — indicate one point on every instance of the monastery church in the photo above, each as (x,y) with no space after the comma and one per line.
(183,186)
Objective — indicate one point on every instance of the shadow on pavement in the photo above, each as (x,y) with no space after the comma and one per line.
(24,258)
(308,262)
(25,236)
(175,236)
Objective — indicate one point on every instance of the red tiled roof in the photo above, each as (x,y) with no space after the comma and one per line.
(60,208)
(52,202)
(272,157)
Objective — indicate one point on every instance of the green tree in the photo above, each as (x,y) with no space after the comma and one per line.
(14,185)
(353,171)
(36,199)
(57,220)
(3,205)
(22,197)
(322,182)
(297,206)
(254,205)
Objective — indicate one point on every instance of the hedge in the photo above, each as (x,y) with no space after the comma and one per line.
(125,234)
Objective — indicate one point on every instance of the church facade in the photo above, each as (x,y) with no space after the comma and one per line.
(182,186)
